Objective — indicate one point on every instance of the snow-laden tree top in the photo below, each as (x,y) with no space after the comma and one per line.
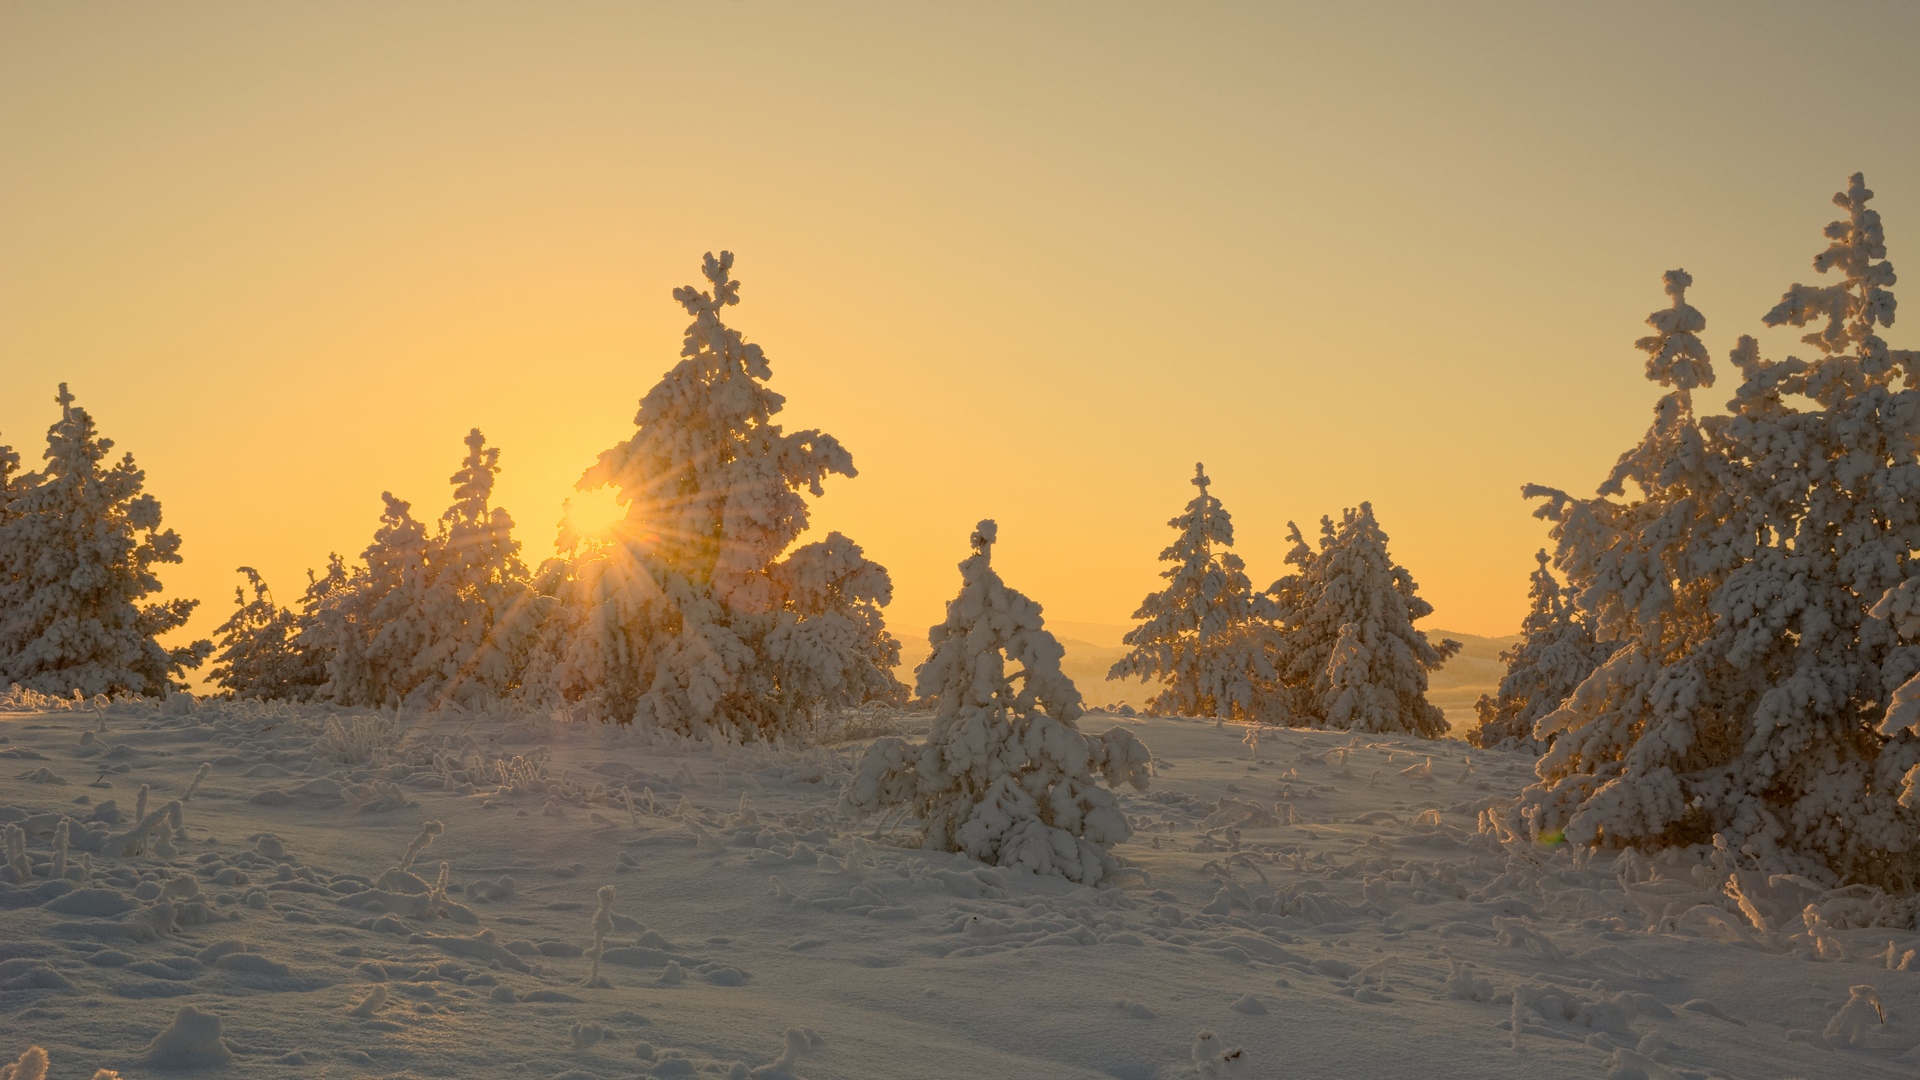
(709,477)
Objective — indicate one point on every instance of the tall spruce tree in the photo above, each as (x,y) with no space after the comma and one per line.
(1005,775)
(1749,701)
(1206,637)
(1555,654)
(80,544)
(691,619)
(1348,653)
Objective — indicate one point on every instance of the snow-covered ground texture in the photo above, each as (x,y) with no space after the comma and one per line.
(347,895)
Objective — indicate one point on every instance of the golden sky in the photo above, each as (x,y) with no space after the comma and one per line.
(1026,261)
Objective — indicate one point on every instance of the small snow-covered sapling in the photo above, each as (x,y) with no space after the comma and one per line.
(437,892)
(602,926)
(198,775)
(1860,1014)
(153,833)
(15,838)
(1252,742)
(60,841)
(428,831)
(140,804)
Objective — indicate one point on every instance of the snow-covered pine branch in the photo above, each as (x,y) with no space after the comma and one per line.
(1749,700)
(1556,653)
(1348,653)
(1206,637)
(1005,775)
(80,547)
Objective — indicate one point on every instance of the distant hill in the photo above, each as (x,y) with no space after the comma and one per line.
(1476,669)
(1092,648)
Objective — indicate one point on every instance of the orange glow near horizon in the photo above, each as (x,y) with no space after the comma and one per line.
(1027,263)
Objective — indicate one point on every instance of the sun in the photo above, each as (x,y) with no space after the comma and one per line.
(593,515)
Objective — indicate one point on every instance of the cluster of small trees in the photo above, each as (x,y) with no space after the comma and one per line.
(1331,644)
(695,614)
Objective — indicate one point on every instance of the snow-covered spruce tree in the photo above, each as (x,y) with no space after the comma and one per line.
(1749,698)
(258,656)
(1348,653)
(479,618)
(1005,776)
(1556,652)
(429,617)
(1207,636)
(690,619)
(321,628)
(80,542)
(372,625)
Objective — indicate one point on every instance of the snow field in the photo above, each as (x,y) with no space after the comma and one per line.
(1331,906)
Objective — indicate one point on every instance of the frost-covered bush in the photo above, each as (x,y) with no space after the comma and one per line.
(80,545)
(1348,652)
(1206,636)
(694,616)
(1005,775)
(428,617)
(257,655)
(1555,654)
(1750,697)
